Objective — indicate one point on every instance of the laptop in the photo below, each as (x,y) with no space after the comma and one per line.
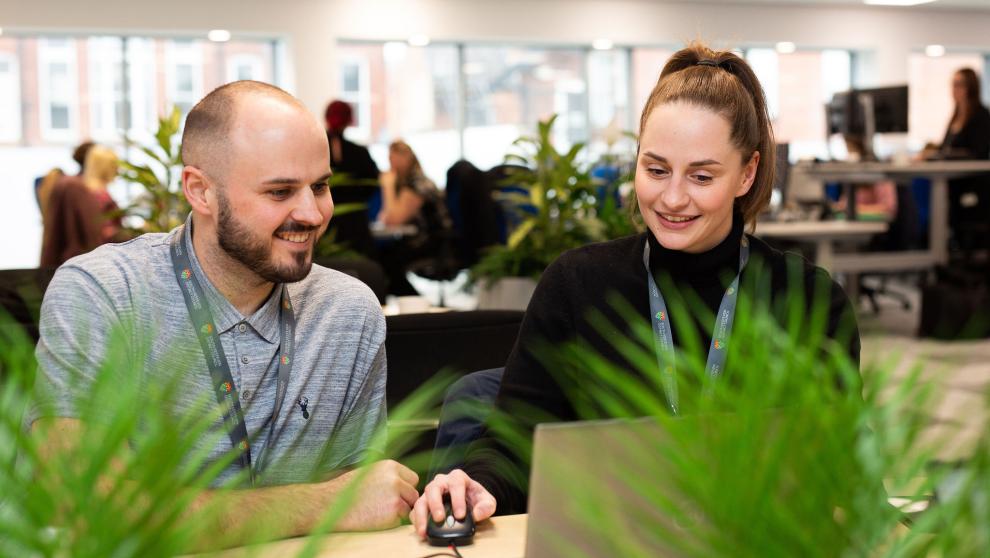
(630,514)
(615,488)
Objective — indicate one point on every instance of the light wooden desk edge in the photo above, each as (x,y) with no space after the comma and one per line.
(499,537)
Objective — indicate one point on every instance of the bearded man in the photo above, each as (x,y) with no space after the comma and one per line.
(230,307)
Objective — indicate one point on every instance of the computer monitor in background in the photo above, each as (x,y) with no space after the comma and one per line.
(860,113)
(890,109)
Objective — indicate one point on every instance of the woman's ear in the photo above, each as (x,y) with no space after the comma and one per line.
(749,174)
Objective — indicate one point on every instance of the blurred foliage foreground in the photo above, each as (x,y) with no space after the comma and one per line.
(788,453)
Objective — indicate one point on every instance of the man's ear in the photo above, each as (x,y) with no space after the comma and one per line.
(749,174)
(198,190)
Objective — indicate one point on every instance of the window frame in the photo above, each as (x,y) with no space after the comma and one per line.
(48,55)
(12,129)
(359,100)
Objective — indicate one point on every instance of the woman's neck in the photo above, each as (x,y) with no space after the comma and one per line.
(703,266)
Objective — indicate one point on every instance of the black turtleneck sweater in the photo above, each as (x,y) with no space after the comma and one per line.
(586,278)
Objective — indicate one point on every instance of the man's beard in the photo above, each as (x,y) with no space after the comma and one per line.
(238,241)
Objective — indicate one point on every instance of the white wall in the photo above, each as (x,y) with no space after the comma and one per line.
(886,35)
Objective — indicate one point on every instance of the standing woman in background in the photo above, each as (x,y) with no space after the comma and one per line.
(80,214)
(410,198)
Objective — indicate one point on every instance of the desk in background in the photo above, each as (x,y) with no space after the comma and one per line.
(939,172)
(499,537)
(823,234)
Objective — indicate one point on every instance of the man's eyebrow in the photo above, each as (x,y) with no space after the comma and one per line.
(286,181)
(701,163)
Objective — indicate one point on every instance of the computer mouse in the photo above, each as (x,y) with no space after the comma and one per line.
(451,531)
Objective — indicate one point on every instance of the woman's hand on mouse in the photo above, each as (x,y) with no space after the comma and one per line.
(462,490)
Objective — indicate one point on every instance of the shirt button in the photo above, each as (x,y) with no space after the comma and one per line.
(246,395)
(242,328)
(244,360)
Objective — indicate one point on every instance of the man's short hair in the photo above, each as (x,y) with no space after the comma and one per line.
(208,124)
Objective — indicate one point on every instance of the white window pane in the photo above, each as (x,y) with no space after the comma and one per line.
(10,93)
(765,65)
(59,117)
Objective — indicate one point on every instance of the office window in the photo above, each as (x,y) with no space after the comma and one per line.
(608,99)
(184,74)
(797,86)
(404,92)
(10,96)
(244,66)
(510,89)
(56,91)
(930,102)
(242,60)
(109,110)
(355,89)
(647,63)
(142,87)
(57,83)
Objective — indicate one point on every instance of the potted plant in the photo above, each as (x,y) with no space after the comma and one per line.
(553,199)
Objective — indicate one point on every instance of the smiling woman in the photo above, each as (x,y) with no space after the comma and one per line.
(704,171)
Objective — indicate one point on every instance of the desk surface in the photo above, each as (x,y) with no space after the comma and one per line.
(501,537)
(813,230)
(873,170)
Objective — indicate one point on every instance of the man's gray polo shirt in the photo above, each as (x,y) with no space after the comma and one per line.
(339,364)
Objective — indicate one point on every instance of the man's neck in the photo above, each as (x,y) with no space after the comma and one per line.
(239,285)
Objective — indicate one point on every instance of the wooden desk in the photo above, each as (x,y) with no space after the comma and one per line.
(939,172)
(823,234)
(499,537)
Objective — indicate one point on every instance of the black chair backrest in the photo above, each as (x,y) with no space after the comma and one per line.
(367,271)
(420,345)
(473,210)
(21,293)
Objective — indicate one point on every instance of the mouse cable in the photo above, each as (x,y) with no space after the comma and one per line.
(452,547)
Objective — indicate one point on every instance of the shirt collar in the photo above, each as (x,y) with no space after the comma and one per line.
(225,315)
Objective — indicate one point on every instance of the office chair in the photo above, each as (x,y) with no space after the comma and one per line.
(421,345)
(474,219)
(21,294)
(902,234)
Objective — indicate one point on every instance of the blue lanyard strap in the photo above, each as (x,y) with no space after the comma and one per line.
(216,360)
(662,333)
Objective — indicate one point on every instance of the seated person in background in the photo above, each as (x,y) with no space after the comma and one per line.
(410,198)
(875,201)
(705,170)
(256,175)
(966,137)
(968,134)
(78,212)
(43,184)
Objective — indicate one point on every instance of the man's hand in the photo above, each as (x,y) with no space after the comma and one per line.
(386,495)
(463,492)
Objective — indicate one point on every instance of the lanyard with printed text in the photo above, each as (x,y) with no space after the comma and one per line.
(660,318)
(216,360)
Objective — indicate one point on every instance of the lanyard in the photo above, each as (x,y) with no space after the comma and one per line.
(216,360)
(662,339)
